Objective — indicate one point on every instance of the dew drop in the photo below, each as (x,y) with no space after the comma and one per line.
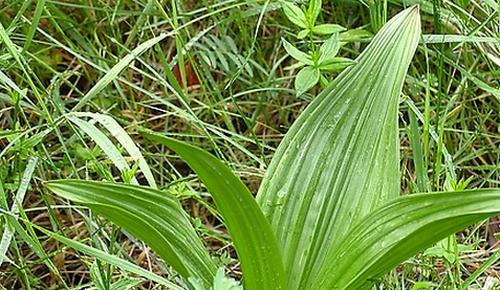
(281,193)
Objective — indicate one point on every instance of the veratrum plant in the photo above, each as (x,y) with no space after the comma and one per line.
(328,214)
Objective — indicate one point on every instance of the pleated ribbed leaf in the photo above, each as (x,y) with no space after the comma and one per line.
(399,230)
(253,239)
(340,159)
(152,216)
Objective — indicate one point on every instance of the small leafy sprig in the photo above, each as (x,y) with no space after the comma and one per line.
(318,60)
(322,60)
(306,19)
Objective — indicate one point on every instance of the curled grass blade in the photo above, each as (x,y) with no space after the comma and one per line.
(104,143)
(128,144)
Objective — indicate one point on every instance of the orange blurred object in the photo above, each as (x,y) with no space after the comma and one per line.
(191,77)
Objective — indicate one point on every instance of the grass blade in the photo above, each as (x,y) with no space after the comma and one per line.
(491,261)
(418,158)
(34,23)
(253,238)
(113,73)
(29,236)
(340,159)
(8,231)
(110,259)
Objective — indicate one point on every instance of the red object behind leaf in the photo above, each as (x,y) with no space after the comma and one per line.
(191,77)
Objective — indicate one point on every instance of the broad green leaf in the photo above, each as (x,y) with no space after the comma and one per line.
(327,28)
(297,54)
(340,159)
(355,35)
(313,11)
(153,216)
(399,230)
(303,33)
(295,66)
(294,14)
(336,64)
(253,239)
(306,79)
(493,5)
(329,48)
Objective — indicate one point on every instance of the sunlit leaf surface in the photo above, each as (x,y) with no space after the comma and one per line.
(340,159)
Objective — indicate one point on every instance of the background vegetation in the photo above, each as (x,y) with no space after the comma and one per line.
(234,95)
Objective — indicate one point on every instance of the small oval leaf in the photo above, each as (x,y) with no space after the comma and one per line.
(306,79)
